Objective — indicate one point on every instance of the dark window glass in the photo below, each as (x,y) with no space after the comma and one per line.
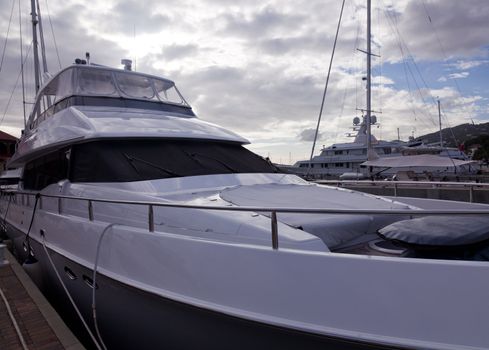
(46,170)
(138,160)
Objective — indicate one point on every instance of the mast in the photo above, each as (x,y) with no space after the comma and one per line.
(439,123)
(41,36)
(22,64)
(37,73)
(43,50)
(370,155)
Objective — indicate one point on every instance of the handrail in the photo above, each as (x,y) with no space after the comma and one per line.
(420,212)
(272,210)
(413,183)
(396,185)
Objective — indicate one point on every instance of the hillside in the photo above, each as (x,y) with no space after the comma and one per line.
(461,133)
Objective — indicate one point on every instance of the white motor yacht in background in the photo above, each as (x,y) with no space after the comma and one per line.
(166,232)
(347,157)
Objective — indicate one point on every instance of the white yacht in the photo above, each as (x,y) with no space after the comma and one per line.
(163,231)
(168,218)
(347,157)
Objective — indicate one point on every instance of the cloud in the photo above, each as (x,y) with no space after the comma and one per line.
(258,67)
(259,23)
(465,65)
(308,135)
(175,51)
(459,75)
(440,29)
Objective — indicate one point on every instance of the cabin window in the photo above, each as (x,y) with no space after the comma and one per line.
(96,82)
(139,160)
(167,92)
(136,86)
(46,170)
(338,152)
(338,165)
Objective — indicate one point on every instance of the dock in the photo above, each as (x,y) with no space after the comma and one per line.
(27,320)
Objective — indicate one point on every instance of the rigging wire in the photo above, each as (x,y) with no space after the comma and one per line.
(13,90)
(54,36)
(349,71)
(6,37)
(326,87)
(445,56)
(357,43)
(409,57)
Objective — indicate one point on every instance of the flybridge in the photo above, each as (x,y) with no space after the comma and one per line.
(83,84)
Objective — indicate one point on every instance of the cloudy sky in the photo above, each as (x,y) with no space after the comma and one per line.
(259,67)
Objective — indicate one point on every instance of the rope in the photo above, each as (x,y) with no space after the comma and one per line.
(4,223)
(68,294)
(325,87)
(6,37)
(14,321)
(27,237)
(94,278)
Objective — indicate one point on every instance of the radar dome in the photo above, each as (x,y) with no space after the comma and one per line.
(373,119)
(356,121)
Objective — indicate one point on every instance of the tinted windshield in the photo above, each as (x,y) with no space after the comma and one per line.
(96,82)
(135,85)
(137,160)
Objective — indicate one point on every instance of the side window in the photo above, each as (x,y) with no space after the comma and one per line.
(46,170)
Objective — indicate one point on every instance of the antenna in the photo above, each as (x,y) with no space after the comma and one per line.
(439,122)
(135,48)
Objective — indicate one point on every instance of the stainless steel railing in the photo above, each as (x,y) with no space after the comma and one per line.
(471,187)
(25,195)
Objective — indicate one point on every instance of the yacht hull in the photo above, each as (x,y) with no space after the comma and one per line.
(130,318)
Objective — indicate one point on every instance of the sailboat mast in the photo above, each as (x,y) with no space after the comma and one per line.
(439,123)
(35,45)
(41,37)
(369,109)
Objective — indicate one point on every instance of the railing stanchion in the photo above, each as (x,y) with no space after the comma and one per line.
(471,194)
(151,222)
(59,205)
(395,190)
(90,210)
(274,230)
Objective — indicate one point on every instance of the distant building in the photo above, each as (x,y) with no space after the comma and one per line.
(7,148)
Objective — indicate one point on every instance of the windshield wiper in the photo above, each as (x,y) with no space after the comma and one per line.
(132,159)
(194,155)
